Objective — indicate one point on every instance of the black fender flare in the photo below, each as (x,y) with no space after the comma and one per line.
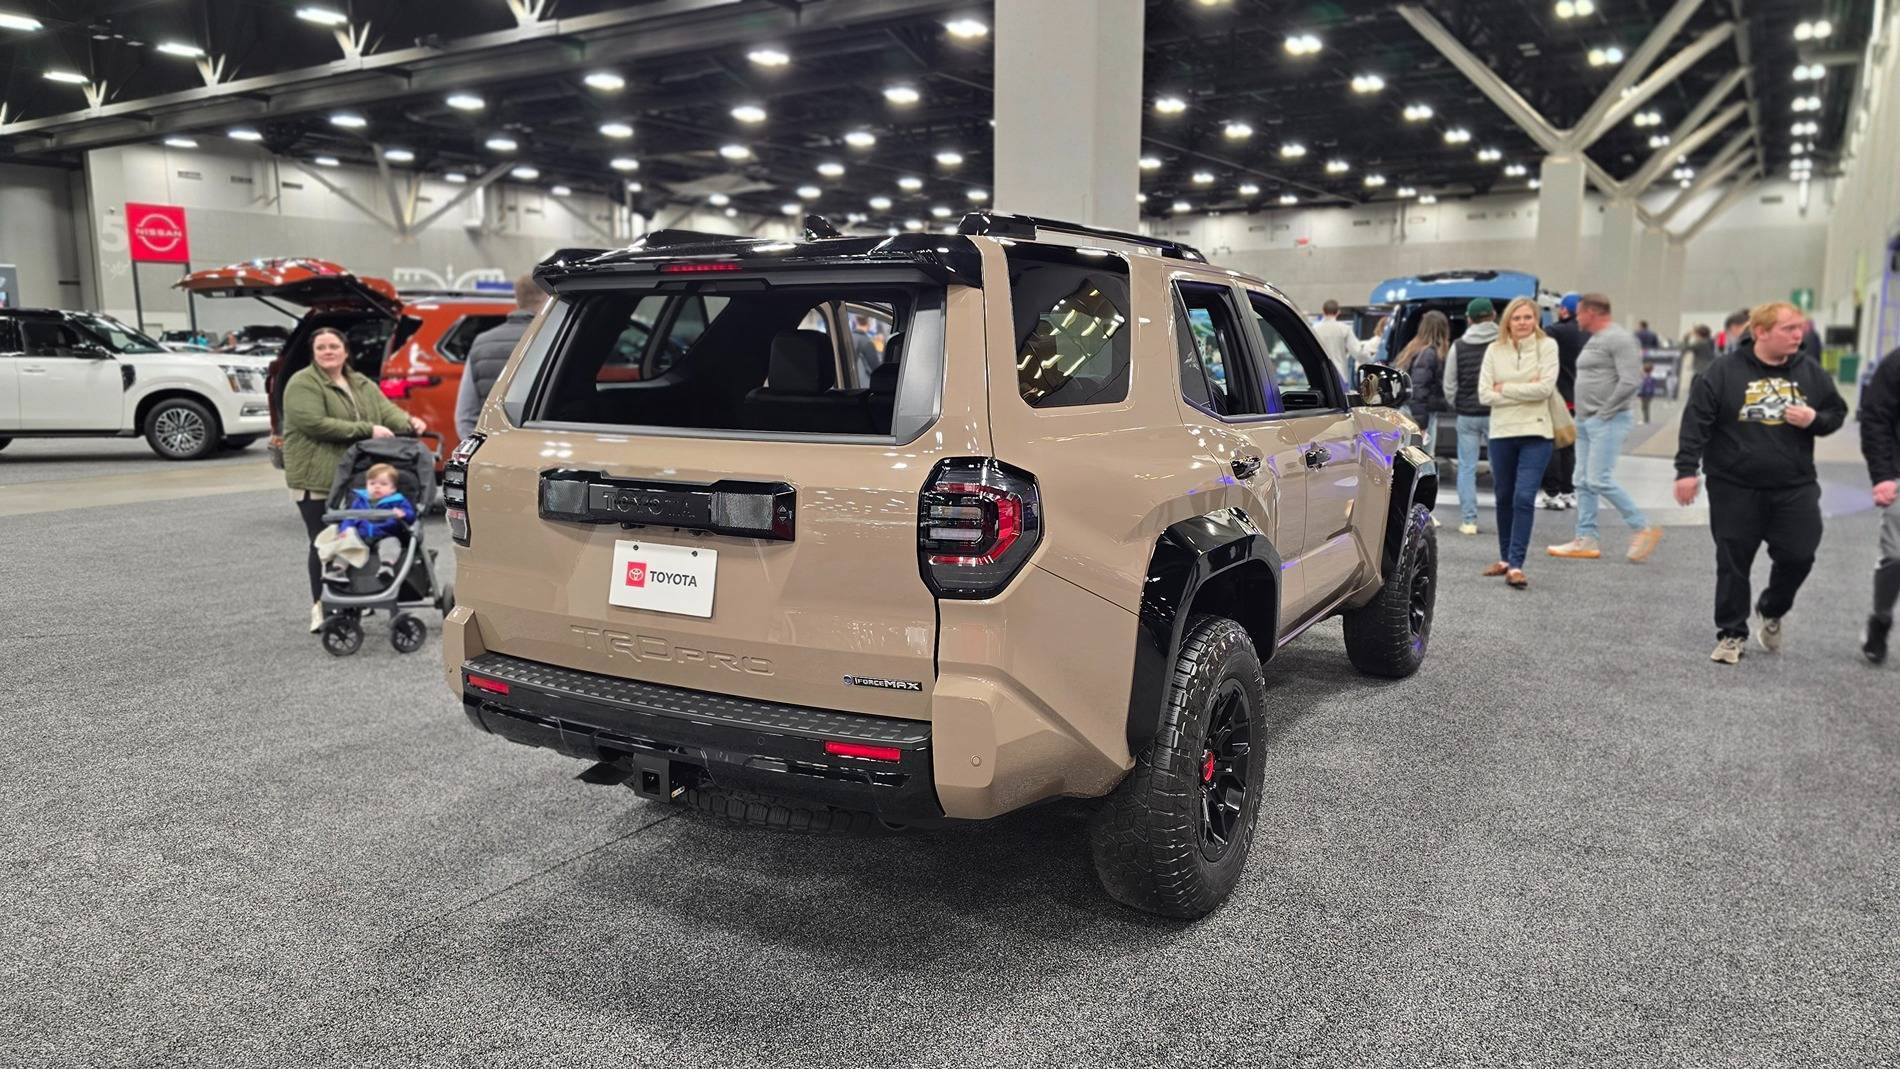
(1414,480)
(1186,557)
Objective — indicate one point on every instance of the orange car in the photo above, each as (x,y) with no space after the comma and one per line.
(412,343)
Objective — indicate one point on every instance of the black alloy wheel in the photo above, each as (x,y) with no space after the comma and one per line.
(1419,604)
(1224,757)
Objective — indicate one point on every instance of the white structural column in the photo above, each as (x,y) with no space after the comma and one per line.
(1068,109)
(1559,221)
(1616,261)
(1668,304)
(1644,300)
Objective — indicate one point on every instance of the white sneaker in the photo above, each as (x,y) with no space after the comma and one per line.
(1566,501)
(316,617)
(1768,632)
(1545,501)
(1728,650)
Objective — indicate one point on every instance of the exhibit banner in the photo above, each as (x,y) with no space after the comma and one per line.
(157,233)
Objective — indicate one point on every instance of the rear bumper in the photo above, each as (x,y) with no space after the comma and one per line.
(732,742)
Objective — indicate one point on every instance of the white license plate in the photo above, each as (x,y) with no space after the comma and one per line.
(662,578)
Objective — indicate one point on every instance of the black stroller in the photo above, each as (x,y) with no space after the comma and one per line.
(362,590)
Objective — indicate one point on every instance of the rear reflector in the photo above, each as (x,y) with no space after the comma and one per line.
(858,749)
(700,268)
(492,686)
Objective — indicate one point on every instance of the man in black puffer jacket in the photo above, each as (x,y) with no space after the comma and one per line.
(1880,444)
(1474,417)
(488,354)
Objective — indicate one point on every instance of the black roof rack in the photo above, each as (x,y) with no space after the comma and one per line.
(1024,228)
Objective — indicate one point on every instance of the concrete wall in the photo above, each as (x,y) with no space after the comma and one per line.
(1865,209)
(39,235)
(1761,248)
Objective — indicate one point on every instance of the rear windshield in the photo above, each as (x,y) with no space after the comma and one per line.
(734,357)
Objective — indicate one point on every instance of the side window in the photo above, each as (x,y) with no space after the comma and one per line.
(871,329)
(1071,320)
(1301,377)
(9,338)
(694,315)
(1214,371)
(49,337)
(455,343)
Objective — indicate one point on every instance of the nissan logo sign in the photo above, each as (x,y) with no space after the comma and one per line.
(158,232)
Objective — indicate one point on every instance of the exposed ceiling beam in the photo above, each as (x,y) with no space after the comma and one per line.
(1704,182)
(1270,176)
(1658,80)
(1645,55)
(1741,188)
(476,185)
(344,195)
(1648,173)
(1500,92)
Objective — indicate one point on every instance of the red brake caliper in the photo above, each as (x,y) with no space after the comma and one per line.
(1207,767)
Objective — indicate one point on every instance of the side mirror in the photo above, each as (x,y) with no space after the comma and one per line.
(1382,385)
(87,352)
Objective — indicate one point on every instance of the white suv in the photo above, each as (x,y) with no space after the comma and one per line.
(79,374)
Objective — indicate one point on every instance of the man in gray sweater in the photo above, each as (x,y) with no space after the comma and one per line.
(1609,371)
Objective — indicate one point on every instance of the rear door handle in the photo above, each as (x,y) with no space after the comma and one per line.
(1246,467)
(1316,457)
(32,369)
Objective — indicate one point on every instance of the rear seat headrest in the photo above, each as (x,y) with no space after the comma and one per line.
(884,378)
(802,362)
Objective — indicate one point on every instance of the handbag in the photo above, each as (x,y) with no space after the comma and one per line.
(1563,427)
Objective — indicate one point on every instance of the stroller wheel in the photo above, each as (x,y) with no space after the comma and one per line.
(406,633)
(342,636)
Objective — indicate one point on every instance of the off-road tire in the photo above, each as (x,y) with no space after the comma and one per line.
(780,814)
(235,442)
(180,428)
(1390,634)
(1147,839)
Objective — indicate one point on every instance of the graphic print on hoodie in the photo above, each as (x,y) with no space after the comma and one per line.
(1765,400)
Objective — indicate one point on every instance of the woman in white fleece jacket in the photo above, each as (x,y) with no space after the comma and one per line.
(1516,380)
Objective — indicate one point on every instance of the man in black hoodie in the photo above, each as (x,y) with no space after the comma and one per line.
(1750,424)
(1560,485)
(1880,444)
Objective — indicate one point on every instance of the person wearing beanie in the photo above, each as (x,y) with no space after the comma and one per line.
(1560,488)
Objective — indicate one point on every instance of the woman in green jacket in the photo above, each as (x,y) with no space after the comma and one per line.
(327,407)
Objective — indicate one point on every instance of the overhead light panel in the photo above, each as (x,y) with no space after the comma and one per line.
(605,81)
(181,142)
(1608,56)
(525,173)
(860,138)
(1367,83)
(1658,140)
(1489,155)
(1237,131)
(939,211)
(967,29)
(1151,163)
(243,133)
(735,152)
(325,161)
(23,23)
(1457,135)
(624,164)
(1575,9)
(1288,198)
(1406,191)
(1417,112)
(635,187)
(879,204)
(910,183)
(179,48)
(455,178)
(1337,166)
(348,120)
(1249,189)
(323,16)
(978,196)
(1203,178)
(1516,170)
(1819,29)
(619,131)
(501,144)
(560,191)
(1647,118)
(1170,105)
(1182,206)
(769,57)
(1428,198)
(66,77)
(749,113)
(1374,181)
(913,224)
(950,158)
(831,169)
(789,208)
(398,155)
(718,200)
(1292,150)
(902,95)
(810,192)
(466,102)
(1302,44)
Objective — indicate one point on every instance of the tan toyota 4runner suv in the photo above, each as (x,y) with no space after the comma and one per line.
(851,531)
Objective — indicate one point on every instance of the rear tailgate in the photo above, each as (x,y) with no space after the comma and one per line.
(829,610)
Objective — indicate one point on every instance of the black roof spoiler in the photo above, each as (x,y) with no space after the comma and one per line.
(1025,228)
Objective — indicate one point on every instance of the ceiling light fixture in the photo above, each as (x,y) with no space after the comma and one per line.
(560,191)
(181,142)
(939,212)
(1417,112)
(1457,135)
(348,120)
(735,152)
(790,208)
(1203,178)
(243,133)
(624,164)
(605,81)
(1575,9)
(179,48)
(718,200)
(913,224)
(1406,191)
(749,113)
(525,173)
(978,196)
(810,192)
(619,131)
(23,23)
(399,155)
(1374,181)
(1605,57)
(1647,118)
(325,161)
(1302,44)
(1170,105)
(950,158)
(831,169)
(1428,198)
(910,183)
(466,102)
(1819,29)
(1151,163)
(1489,155)
(1182,206)
(902,95)
(1288,198)
(66,77)
(1516,170)
(1292,150)
(1337,166)
(1367,83)
(967,29)
(1249,189)
(1658,140)
(1237,131)
(323,16)
(769,57)
(860,139)
(455,178)
(501,144)
(879,204)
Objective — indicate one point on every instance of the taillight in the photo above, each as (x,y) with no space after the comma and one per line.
(858,749)
(978,520)
(398,388)
(455,487)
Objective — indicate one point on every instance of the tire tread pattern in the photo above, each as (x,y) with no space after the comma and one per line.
(1379,634)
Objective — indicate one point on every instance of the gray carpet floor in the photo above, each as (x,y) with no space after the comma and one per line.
(1570,840)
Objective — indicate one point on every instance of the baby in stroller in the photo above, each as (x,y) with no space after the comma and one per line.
(350,543)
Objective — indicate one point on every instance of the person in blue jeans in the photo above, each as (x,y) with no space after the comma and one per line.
(1460,373)
(1610,377)
(1518,380)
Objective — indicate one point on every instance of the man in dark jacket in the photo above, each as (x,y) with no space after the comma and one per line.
(489,353)
(1474,416)
(1880,444)
(1750,425)
(1560,486)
